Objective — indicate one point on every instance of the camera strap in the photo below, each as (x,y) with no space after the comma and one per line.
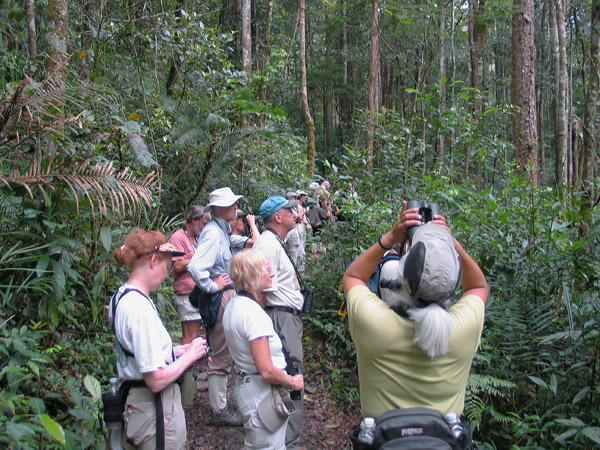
(300,281)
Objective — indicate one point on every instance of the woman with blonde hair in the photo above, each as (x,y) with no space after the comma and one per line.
(148,365)
(261,383)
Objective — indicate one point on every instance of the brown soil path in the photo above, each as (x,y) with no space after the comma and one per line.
(326,425)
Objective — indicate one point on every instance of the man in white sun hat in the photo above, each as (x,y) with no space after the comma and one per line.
(414,345)
(209,268)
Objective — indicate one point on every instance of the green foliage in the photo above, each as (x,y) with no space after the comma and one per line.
(41,404)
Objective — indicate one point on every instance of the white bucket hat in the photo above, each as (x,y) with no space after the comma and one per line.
(275,408)
(222,197)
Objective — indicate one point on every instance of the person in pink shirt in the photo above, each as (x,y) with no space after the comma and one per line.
(187,240)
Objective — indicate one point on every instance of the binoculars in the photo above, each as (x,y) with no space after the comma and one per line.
(427,212)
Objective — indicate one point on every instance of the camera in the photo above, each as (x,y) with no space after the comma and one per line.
(293,368)
(427,212)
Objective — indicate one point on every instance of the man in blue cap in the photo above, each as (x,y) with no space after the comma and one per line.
(284,298)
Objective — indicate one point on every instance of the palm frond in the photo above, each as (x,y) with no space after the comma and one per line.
(96,182)
(32,107)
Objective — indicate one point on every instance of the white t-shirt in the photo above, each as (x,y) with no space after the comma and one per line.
(244,320)
(285,289)
(139,329)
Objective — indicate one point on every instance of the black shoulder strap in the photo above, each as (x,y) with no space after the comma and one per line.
(302,286)
(114,303)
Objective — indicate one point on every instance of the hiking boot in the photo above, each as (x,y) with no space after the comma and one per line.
(202,386)
(224,418)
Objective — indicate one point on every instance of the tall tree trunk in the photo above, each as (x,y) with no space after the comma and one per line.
(442,80)
(58,32)
(542,97)
(346,104)
(523,87)
(31,33)
(589,157)
(477,29)
(310,123)
(373,84)
(173,70)
(562,167)
(246,39)
(328,101)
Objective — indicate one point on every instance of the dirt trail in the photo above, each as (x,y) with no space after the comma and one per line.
(326,425)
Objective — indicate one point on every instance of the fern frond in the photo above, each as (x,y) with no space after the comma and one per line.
(490,385)
(126,192)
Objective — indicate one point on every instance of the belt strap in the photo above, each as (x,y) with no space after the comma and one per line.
(286,309)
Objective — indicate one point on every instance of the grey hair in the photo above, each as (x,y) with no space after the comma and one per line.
(433,323)
(194,211)
(433,328)
(269,219)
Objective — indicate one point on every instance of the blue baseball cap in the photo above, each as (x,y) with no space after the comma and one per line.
(273,204)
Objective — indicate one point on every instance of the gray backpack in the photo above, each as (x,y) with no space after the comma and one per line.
(417,429)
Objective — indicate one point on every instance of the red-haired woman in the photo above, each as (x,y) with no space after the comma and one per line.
(148,365)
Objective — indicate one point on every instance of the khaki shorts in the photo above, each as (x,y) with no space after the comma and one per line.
(140,418)
(185,310)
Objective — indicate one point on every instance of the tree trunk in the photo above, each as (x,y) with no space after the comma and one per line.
(373,84)
(523,87)
(246,39)
(31,33)
(310,123)
(562,167)
(346,104)
(477,29)
(328,110)
(589,158)
(542,97)
(58,32)
(442,80)
(173,71)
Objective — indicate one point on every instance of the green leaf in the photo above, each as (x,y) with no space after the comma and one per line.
(572,422)
(106,238)
(34,367)
(19,430)
(581,395)
(81,414)
(539,382)
(37,405)
(593,433)
(554,384)
(42,265)
(59,274)
(53,428)
(93,387)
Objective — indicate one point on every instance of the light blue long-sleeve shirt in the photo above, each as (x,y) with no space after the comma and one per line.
(212,256)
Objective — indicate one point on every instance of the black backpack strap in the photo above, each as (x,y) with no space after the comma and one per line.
(114,303)
(160,422)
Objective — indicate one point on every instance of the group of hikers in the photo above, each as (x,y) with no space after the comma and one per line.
(414,343)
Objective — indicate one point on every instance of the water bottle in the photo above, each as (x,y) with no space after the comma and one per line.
(455,425)
(113,414)
(367,431)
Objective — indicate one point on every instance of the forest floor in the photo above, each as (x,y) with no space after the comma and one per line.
(327,424)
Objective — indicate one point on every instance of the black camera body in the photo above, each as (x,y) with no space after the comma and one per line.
(427,211)
(293,368)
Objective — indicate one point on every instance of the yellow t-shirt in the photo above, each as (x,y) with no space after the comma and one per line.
(395,373)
